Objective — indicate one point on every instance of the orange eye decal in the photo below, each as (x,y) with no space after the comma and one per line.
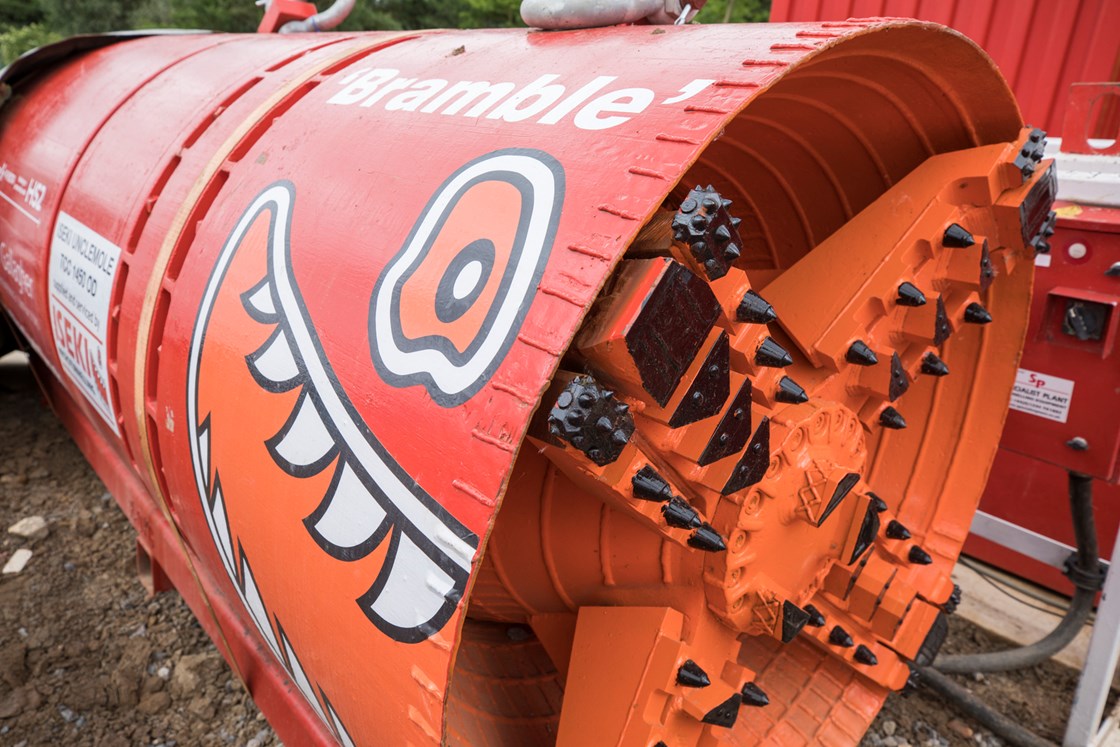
(448,306)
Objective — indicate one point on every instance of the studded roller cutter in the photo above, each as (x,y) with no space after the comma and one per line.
(650,405)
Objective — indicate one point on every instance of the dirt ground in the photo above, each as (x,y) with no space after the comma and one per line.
(86,658)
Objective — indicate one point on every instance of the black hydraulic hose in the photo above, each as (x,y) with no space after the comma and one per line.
(967,704)
(1084,571)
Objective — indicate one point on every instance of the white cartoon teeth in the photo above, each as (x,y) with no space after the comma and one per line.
(348,518)
(273,365)
(412,590)
(304,446)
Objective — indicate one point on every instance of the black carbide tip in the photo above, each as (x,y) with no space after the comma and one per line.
(754,696)
(918,556)
(816,619)
(877,503)
(864,655)
(892,418)
(790,392)
(861,355)
(754,309)
(896,530)
(679,514)
(909,295)
(974,313)
(725,713)
(772,355)
(840,637)
(690,674)
(934,366)
(648,485)
(707,539)
(956,236)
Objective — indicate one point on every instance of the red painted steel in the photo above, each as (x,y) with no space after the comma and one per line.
(1041,46)
(209,241)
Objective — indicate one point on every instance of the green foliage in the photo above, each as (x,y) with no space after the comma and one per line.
(16,41)
(734,11)
(28,23)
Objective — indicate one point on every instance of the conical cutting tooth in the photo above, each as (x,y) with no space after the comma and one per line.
(691,675)
(648,485)
(934,366)
(754,696)
(864,655)
(974,313)
(896,530)
(877,503)
(892,418)
(956,236)
(861,355)
(816,619)
(754,309)
(679,514)
(918,556)
(707,539)
(840,637)
(909,295)
(772,354)
(790,392)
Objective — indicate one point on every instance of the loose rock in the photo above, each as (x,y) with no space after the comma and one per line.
(17,562)
(30,527)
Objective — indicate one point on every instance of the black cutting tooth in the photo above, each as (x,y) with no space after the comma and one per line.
(816,619)
(590,418)
(840,637)
(941,328)
(754,309)
(711,233)
(725,713)
(790,392)
(753,464)
(843,488)
(909,295)
(754,696)
(877,503)
(892,418)
(956,236)
(691,675)
(868,531)
(987,271)
(918,556)
(900,380)
(706,538)
(772,354)
(953,601)
(650,486)
(896,530)
(864,655)
(861,355)
(733,430)
(709,390)
(793,620)
(974,313)
(679,514)
(934,366)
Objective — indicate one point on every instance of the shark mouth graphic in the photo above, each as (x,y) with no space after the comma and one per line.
(370,497)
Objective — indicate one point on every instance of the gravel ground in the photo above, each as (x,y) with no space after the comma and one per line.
(86,657)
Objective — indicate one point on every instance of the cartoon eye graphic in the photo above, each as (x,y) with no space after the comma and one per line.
(448,306)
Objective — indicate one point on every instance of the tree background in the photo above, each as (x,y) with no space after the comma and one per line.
(25,24)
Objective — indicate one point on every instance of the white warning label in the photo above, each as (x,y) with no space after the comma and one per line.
(82,270)
(1042,394)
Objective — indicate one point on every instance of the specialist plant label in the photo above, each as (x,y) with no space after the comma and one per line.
(82,271)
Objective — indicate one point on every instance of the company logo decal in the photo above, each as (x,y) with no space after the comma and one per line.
(448,306)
